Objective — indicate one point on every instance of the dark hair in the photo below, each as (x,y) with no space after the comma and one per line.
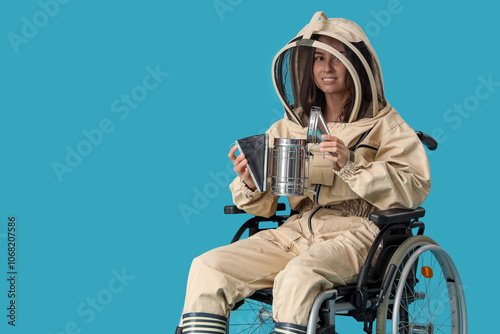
(311,95)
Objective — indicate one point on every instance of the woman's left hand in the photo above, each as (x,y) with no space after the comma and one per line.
(335,145)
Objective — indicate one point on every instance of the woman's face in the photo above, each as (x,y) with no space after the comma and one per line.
(329,72)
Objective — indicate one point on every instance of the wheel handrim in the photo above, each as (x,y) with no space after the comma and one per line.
(432,301)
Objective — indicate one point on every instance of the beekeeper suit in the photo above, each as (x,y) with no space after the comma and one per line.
(326,243)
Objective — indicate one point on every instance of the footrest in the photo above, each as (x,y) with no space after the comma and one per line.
(396,215)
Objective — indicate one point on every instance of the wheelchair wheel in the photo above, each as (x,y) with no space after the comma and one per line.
(426,295)
(251,317)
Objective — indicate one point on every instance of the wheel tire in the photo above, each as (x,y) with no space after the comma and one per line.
(252,317)
(426,294)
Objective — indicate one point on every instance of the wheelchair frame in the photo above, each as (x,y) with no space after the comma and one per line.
(380,285)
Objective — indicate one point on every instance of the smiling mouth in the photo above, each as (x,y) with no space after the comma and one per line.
(329,79)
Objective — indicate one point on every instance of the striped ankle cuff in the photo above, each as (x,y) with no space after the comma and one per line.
(203,323)
(286,328)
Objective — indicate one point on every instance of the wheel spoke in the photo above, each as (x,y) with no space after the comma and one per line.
(428,298)
(253,317)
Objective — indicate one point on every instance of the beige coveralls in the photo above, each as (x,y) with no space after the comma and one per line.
(390,170)
(281,258)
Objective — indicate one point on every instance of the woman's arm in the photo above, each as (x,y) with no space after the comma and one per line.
(398,178)
(253,202)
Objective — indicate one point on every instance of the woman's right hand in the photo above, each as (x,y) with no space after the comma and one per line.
(240,167)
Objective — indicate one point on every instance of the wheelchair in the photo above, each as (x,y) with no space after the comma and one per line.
(411,287)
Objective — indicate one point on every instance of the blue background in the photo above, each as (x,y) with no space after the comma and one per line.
(120,208)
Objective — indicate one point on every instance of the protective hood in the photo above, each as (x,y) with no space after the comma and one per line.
(294,81)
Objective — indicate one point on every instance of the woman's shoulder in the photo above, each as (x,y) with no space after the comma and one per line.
(285,128)
(387,125)
(389,119)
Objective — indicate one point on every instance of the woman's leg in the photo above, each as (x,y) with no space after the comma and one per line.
(223,276)
(334,262)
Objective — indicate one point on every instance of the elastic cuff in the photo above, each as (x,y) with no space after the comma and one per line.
(247,193)
(346,171)
(287,328)
(206,323)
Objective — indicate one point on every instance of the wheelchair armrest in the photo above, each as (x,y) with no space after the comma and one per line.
(253,225)
(396,215)
(232,209)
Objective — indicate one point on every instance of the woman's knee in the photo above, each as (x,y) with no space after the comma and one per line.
(209,260)
(307,272)
(297,274)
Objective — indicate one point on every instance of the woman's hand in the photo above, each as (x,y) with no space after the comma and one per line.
(240,167)
(335,145)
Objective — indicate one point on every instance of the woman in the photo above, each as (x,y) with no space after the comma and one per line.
(379,164)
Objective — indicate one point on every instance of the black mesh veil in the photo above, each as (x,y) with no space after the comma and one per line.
(294,82)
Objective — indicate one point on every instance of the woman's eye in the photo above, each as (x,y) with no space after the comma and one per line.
(319,58)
